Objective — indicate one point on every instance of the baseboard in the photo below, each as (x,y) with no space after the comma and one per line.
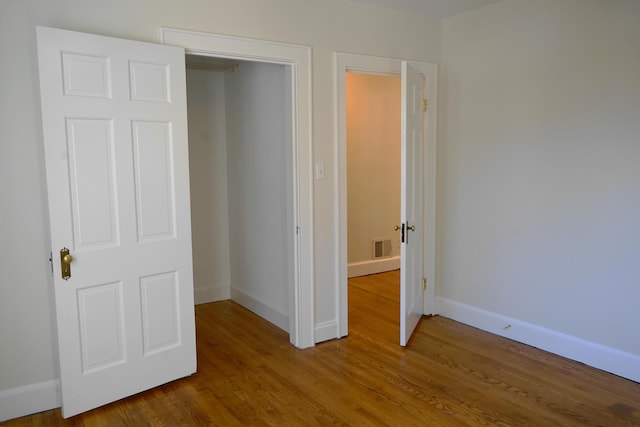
(205,294)
(608,359)
(30,399)
(281,320)
(373,266)
(326,331)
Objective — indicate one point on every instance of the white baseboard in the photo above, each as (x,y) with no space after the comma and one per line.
(608,359)
(205,294)
(30,399)
(326,331)
(281,320)
(373,266)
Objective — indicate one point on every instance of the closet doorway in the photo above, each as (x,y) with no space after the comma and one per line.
(240,151)
(297,60)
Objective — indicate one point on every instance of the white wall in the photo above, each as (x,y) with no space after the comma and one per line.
(27,355)
(373,163)
(27,338)
(539,196)
(259,165)
(208,175)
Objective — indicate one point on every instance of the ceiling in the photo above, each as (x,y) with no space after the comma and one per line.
(434,8)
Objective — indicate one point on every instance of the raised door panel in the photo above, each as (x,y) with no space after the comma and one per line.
(149,82)
(92,179)
(102,334)
(160,319)
(154,175)
(86,75)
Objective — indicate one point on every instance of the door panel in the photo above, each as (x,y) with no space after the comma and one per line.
(153,171)
(114,124)
(160,322)
(411,211)
(101,326)
(86,75)
(92,180)
(149,82)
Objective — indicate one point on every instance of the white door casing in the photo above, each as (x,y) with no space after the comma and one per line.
(411,201)
(115,138)
(345,62)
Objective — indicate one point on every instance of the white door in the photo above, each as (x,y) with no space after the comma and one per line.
(411,210)
(115,136)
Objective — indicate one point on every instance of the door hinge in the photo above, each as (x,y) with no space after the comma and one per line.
(425,105)
(424,283)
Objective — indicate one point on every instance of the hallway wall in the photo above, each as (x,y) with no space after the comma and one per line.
(373,164)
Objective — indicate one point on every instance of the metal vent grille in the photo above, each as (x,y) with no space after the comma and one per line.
(381,248)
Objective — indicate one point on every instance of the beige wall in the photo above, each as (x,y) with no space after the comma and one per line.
(26,331)
(539,178)
(373,162)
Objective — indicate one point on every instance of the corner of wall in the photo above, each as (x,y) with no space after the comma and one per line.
(277,317)
(212,293)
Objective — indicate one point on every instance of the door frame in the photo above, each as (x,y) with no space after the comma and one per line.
(301,316)
(347,62)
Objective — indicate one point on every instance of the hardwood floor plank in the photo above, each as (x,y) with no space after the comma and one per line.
(556,377)
(449,375)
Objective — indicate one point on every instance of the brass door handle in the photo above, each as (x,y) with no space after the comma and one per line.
(65,263)
(396,228)
(412,228)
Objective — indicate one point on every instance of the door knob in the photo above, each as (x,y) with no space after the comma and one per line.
(65,263)
(396,228)
(412,228)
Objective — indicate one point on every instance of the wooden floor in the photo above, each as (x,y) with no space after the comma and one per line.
(449,375)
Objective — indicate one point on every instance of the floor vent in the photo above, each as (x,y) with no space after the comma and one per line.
(381,248)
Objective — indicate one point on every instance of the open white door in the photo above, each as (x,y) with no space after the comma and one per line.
(115,137)
(411,210)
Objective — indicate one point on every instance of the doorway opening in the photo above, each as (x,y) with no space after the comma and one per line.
(240,155)
(373,200)
(425,161)
(297,60)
